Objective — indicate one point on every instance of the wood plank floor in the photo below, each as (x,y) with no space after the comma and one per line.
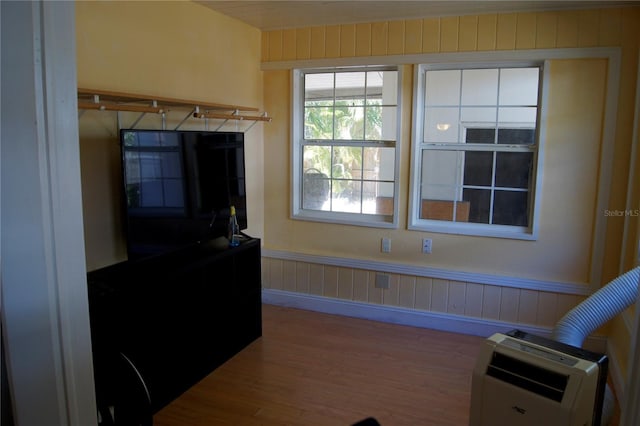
(317,369)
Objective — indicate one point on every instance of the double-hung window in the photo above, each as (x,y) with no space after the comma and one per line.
(476,144)
(345,133)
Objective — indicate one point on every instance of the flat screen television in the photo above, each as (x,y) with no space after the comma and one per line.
(179,187)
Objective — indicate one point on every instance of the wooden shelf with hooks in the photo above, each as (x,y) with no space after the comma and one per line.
(105,100)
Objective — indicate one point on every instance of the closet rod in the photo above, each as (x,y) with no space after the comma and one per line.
(231,117)
(119,107)
(122,97)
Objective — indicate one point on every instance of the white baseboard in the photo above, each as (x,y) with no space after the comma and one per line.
(404,316)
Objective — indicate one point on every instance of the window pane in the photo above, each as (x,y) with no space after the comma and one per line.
(448,193)
(371,164)
(441,175)
(350,85)
(349,122)
(441,167)
(517,115)
(389,123)
(479,204)
(473,116)
(319,103)
(318,123)
(480,87)
(457,211)
(369,197)
(516,136)
(385,189)
(318,86)
(373,123)
(374,87)
(347,162)
(318,158)
(384,196)
(390,86)
(478,168)
(442,87)
(346,196)
(387,164)
(511,208)
(315,190)
(379,164)
(519,86)
(381,123)
(349,102)
(487,136)
(441,125)
(316,184)
(513,169)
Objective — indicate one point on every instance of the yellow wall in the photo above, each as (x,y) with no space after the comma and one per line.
(178,48)
(571,154)
(169,49)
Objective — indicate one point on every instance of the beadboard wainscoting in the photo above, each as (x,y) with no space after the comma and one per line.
(422,297)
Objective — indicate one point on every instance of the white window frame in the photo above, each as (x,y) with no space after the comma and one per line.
(297,143)
(465,228)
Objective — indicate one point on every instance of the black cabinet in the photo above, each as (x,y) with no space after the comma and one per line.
(174,318)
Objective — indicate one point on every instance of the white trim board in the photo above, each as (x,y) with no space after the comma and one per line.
(452,57)
(430,272)
(409,317)
(45,316)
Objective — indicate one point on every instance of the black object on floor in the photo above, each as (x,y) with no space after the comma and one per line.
(370,421)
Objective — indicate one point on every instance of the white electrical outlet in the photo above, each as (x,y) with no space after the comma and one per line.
(427,245)
(386,245)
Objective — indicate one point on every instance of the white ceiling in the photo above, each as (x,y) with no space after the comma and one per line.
(271,15)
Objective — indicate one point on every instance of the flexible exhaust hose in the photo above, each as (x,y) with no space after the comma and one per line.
(594,312)
(597,309)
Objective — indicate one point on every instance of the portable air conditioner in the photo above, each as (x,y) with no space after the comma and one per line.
(526,380)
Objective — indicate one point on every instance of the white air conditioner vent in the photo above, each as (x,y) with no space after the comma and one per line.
(538,380)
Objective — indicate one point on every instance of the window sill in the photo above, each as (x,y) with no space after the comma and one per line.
(476,230)
(370,221)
